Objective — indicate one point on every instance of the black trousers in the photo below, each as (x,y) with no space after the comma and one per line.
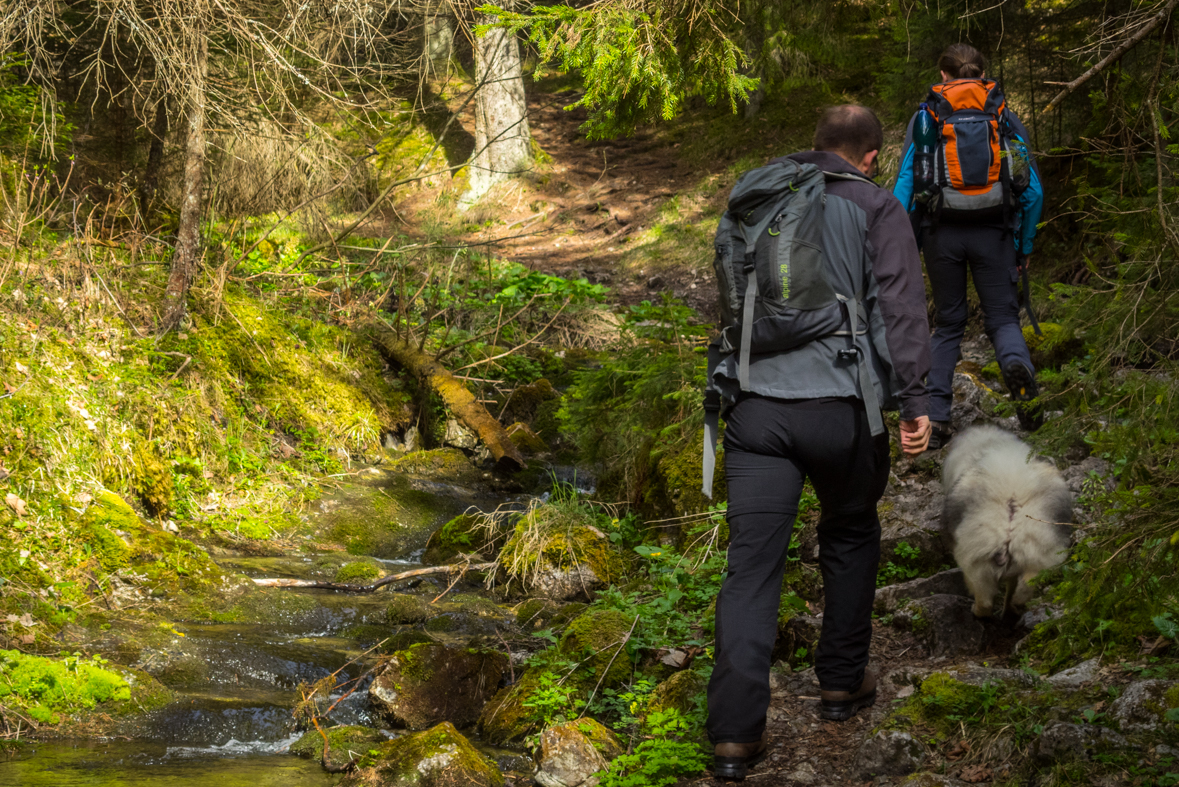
(771,447)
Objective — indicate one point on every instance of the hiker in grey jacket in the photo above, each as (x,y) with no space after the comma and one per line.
(801,414)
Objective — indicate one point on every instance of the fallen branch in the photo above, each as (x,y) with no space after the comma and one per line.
(284,582)
(1120,50)
(455,395)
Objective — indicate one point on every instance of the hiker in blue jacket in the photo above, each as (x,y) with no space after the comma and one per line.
(980,213)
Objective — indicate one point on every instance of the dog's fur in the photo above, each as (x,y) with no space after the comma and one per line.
(1004,515)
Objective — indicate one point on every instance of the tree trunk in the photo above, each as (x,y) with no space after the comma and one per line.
(188,238)
(503,146)
(155,158)
(438,35)
(454,393)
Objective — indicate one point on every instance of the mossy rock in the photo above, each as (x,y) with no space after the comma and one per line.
(1055,347)
(388,521)
(538,613)
(406,639)
(683,691)
(505,720)
(406,609)
(358,572)
(557,552)
(572,752)
(525,401)
(153,481)
(441,464)
(430,683)
(53,690)
(151,562)
(342,742)
(438,757)
(526,440)
(675,487)
(599,638)
(461,535)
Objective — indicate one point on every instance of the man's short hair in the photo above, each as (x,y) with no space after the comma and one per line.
(849,129)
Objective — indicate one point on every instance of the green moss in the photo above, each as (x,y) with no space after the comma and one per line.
(683,691)
(448,463)
(416,661)
(598,638)
(505,719)
(1171,697)
(560,535)
(357,572)
(675,487)
(438,757)
(460,535)
(386,521)
(343,741)
(1054,347)
(407,609)
(153,481)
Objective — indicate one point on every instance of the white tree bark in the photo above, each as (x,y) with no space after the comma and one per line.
(503,145)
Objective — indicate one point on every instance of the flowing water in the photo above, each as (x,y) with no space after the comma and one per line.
(236,686)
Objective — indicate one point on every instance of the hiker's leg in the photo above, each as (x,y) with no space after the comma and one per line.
(849,470)
(992,264)
(764,488)
(945,262)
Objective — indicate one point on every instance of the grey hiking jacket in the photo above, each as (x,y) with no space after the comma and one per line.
(865,229)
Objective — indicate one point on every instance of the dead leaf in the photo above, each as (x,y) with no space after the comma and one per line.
(28,639)
(27,620)
(676,659)
(975,773)
(21,368)
(3,472)
(12,619)
(905,691)
(16,504)
(960,750)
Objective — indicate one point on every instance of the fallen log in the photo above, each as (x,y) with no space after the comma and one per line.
(283,582)
(454,393)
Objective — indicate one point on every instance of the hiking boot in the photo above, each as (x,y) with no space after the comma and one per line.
(842,705)
(939,434)
(1021,385)
(731,761)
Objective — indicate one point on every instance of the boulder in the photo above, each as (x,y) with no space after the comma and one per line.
(1064,741)
(571,753)
(1144,704)
(464,535)
(597,639)
(1037,615)
(888,753)
(429,683)
(438,757)
(345,744)
(406,609)
(945,623)
(557,553)
(526,440)
(680,692)
(1075,677)
(949,583)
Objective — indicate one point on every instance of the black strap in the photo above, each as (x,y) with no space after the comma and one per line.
(712,406)
(1027,299)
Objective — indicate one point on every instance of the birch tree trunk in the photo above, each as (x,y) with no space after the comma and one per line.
(503,146)
(188,239)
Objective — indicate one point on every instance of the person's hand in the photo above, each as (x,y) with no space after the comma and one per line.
(915,435)
(1021,262)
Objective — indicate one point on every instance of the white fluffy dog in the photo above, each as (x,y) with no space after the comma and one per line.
(1004,515)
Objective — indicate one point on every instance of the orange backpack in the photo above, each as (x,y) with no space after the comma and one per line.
(971,160)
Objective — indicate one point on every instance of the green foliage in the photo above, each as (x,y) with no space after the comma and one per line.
(645,398)
(666,751)
(903,568)
(639,62)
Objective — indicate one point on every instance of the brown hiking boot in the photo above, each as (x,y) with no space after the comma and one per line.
(842,705)
(732,761)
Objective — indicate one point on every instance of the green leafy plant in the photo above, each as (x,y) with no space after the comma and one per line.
(665,752)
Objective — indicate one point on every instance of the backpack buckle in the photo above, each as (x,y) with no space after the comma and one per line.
(850,354)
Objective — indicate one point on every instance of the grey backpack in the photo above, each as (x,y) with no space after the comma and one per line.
(774,293)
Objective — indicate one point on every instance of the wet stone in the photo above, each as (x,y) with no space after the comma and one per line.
(430,683)
(345,744)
